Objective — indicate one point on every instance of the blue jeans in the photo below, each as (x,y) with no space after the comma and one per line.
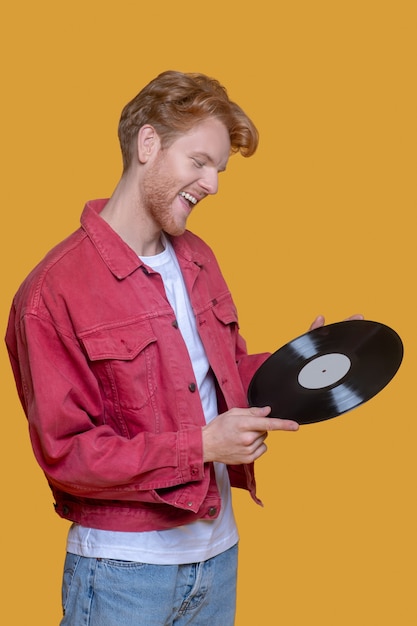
(107,592)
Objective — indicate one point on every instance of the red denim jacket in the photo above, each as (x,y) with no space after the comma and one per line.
(107,385)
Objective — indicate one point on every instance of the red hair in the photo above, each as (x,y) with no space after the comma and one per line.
(174,102)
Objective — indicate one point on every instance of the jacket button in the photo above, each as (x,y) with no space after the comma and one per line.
(192,387)
(212,511)
(65,509)
(175,324)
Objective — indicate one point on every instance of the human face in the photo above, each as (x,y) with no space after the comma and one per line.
(183,174)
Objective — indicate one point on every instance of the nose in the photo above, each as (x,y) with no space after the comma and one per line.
(210,181)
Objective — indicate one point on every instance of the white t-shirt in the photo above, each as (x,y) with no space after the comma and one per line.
(202,539)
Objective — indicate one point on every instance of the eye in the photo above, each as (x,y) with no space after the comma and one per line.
(197,162)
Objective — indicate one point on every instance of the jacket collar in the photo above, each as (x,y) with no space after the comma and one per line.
(116,254)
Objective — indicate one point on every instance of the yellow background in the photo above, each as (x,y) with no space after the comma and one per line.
(320,220)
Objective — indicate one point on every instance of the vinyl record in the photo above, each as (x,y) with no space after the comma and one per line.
(327,371)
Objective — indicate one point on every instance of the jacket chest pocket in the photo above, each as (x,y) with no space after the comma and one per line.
(226,320)
(123,359)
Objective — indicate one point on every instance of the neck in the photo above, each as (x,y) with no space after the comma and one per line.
(124,213)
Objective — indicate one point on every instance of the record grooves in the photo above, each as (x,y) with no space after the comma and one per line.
(327,371)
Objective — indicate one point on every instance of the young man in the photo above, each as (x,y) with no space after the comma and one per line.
(131,370)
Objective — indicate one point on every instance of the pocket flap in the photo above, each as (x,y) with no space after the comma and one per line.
(225,310)
(121,342)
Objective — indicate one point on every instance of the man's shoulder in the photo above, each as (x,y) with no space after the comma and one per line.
(54,267)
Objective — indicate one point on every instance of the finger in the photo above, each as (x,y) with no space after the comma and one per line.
(356,316)
(260,411)
(270,423)
(259,452)
(256,444)
(275,423)
(318,322)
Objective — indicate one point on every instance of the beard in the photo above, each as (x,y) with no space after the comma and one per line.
(158,196)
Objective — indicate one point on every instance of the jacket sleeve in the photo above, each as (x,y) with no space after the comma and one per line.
(79,453)
(248,364)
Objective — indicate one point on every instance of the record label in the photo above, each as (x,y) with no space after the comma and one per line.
(324,371)
(327,371)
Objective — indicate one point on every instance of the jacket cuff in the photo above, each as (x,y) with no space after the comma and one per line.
(190,454)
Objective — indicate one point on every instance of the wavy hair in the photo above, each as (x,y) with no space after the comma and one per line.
(174,102)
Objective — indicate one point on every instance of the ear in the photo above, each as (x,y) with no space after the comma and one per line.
(148,142)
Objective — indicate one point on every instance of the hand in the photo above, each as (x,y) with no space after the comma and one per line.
(319,321)
(238,436)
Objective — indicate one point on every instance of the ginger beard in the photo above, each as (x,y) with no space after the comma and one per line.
(158,198)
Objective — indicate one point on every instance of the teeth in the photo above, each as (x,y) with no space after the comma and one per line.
(188,197)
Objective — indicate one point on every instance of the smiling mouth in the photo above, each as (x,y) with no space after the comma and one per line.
(190,199)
